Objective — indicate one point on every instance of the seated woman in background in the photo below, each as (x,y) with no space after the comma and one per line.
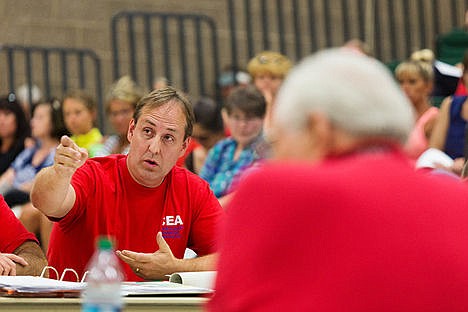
(121,102)
(448,134)
(208,129)
(416,80)
(14,129)
(243,113)
(46,128)
(79,113)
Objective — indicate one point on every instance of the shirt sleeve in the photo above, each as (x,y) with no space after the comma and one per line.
(82,184)
(206,222)
(13,232)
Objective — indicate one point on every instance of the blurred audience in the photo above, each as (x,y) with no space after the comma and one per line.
(47,127)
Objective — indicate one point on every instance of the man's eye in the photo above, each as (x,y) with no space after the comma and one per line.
(147,131)
(169,138)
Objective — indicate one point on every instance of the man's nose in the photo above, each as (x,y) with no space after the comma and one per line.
(155,145)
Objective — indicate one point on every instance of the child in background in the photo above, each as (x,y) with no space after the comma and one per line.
(79,112)
(243,113)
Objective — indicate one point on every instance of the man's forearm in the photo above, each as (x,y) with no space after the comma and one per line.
(50,191)
(204,263)
(32,253)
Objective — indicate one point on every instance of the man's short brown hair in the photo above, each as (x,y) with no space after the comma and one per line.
(159,97)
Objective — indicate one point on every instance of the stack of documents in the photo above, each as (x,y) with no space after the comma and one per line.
(160,288)
(41,286)
(24,285)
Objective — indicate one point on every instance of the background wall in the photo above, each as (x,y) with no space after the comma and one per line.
(82,23)
(392,28)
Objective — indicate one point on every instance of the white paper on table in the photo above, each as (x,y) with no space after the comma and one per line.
(160,288)
(41,285)
(38,284)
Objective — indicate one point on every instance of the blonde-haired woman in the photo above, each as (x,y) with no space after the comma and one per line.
(121,102)
(268,70)
(416,80)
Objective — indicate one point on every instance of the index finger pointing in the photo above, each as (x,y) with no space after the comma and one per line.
(68,142)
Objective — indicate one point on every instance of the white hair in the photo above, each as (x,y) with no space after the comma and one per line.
(357,94)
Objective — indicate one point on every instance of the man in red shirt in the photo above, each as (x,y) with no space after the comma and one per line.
(341,221)
(20,253)
(153,209)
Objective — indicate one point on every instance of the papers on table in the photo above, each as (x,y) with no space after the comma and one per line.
(40,286)
(37,284)
(161,288)
(33,286)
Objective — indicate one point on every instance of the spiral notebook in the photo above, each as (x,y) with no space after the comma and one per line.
(40,286)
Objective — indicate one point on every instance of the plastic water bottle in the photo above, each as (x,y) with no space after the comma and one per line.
(104,280)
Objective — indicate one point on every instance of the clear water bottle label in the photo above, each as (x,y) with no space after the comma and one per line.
(100,308)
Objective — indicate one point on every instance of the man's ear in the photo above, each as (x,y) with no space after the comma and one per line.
(131,130)
(318,126)
(185,145)
(320,134)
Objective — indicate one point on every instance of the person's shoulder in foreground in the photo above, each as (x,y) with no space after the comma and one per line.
(336,239)
(20,253)
(341,221)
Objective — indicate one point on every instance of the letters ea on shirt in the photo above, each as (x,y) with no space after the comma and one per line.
(172,220)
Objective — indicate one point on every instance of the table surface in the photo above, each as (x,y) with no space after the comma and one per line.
(172,303)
